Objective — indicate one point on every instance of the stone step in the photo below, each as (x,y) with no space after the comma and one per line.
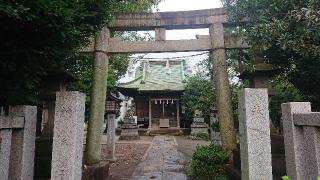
(165,131)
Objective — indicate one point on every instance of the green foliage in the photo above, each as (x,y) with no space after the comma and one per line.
(198,95)
(208,163)
(200,135)
(40,37)
(285,33)
(285,92)
(285,178)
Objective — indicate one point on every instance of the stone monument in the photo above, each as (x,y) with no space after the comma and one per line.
(129,128)
(199,129)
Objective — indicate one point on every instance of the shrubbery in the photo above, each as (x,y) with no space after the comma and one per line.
(207,163)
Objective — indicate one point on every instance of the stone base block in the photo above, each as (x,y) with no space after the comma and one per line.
(199,131)
(129,134)
(96,172)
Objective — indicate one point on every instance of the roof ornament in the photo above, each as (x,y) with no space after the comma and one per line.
(130,68)
(168,69)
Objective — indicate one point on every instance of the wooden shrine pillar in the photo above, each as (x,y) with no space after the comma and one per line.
(178,114)
(150,114)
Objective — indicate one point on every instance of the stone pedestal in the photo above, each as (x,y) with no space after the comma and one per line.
(129,130)
(111,132)
(68,136)
(199,128)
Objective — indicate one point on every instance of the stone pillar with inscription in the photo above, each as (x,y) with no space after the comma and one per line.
(67,147)
(254,130)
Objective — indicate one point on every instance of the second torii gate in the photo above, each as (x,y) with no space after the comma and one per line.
(216,42)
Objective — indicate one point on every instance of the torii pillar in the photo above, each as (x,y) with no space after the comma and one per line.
(98,97)
(223,93)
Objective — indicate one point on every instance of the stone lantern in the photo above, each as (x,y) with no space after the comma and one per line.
(112,106)
(56,81)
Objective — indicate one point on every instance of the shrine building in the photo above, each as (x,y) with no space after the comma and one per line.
(157,88)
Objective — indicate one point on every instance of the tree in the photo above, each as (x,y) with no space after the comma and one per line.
(40,37)
(198,95)
(284,33)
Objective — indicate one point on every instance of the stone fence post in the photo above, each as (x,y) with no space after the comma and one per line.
(302,140)
(67,147)
(17,134)
(254,131)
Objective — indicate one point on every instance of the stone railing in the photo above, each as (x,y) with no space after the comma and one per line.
(17,139)
(302,140)
(17,134)
(301,137)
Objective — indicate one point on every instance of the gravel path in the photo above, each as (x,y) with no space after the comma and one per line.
(162,161)
(129,155)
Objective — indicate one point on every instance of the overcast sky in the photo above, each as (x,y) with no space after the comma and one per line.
(182,5)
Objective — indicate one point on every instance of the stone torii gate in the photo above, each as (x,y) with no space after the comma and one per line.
(216,43)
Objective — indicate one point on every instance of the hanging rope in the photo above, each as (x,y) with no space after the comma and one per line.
(170,58)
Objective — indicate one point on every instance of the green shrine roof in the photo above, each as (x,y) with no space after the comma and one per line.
(158,76)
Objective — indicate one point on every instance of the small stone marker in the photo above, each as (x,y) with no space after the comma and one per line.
(254,129)
(111,137)
(68,136)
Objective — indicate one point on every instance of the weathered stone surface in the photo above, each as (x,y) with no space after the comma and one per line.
(199,127)
(170,20)
(10,122)
(5,145)
(23,144)
(129,133)
(111,133)
(98,97)
(254,129)
(302,140)
(68,136)
(162,161)
(228,136)
(307,119)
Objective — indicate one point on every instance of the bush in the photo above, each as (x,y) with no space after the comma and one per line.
(208,163)
(200,135)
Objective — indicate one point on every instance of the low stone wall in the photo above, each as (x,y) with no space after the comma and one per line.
(302,140)
(17,135)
